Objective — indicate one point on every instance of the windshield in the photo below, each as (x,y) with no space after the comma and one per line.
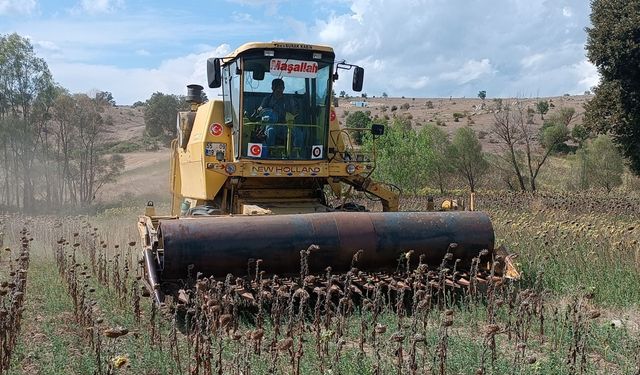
(286,107)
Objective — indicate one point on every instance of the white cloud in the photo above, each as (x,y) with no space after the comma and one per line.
(256,2)
(241,17)
(133,84)
(142,52)
(46,44)
(588,74)
(17,6)
(471,70)
(442,48)
(532,60)
(271,6)
(100,6)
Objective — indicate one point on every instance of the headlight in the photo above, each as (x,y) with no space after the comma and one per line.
(230,168)
(351,168)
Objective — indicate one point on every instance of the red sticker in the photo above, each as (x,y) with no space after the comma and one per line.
(255,149)
(333,115)
(216,129)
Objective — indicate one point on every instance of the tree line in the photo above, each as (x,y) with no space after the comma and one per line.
(51,141)
(416,158)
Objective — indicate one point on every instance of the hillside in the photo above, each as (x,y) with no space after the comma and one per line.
(128,123)
(147,173)
(420,112)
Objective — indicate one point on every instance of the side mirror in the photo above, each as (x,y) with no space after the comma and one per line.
(377,129)
(358,79)
(214,75)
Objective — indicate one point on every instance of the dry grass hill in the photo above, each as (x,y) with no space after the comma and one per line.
(440,110)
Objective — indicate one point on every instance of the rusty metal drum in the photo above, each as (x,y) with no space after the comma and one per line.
(221,245)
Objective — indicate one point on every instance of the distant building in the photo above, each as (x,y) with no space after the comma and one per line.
(360,104)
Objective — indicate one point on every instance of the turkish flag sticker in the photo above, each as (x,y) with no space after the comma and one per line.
(216,129)
(316,152)
(255,149)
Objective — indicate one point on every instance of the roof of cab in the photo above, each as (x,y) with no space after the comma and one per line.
(277,45)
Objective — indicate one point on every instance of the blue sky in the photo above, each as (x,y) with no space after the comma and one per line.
(413,48)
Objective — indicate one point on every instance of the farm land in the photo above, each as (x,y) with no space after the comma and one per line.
(71,302)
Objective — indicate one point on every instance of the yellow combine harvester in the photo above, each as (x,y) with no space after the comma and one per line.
(250,175)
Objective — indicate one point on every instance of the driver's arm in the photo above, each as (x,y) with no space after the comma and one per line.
(265,103)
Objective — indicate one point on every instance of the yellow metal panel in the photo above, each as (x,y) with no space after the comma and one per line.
(208,127)
(175,177)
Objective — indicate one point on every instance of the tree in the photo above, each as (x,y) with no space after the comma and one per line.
(517,134)
(440,169)
(613,47)
(565,115)
(506,127)
(78,126)
(404,157)
(482,94)
(26,89)
(580,134)
(105,97)
(358,120)
(51,144)
(467,157)
(604,163)
(343,94)
(384,95)
(542,107)
(160,115)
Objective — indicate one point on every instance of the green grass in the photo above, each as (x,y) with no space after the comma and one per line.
(50,338)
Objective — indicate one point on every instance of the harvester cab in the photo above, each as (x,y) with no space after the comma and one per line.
(273,141)
(250,174)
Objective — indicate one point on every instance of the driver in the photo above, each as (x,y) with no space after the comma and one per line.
(279,109)
(277,102)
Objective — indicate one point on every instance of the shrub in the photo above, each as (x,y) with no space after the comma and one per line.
(125,147)
(394,108)
(429,104)
(405,106)
(457,116)
(358,120)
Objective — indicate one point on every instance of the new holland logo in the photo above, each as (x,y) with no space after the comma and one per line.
(255,149)
(316,152)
